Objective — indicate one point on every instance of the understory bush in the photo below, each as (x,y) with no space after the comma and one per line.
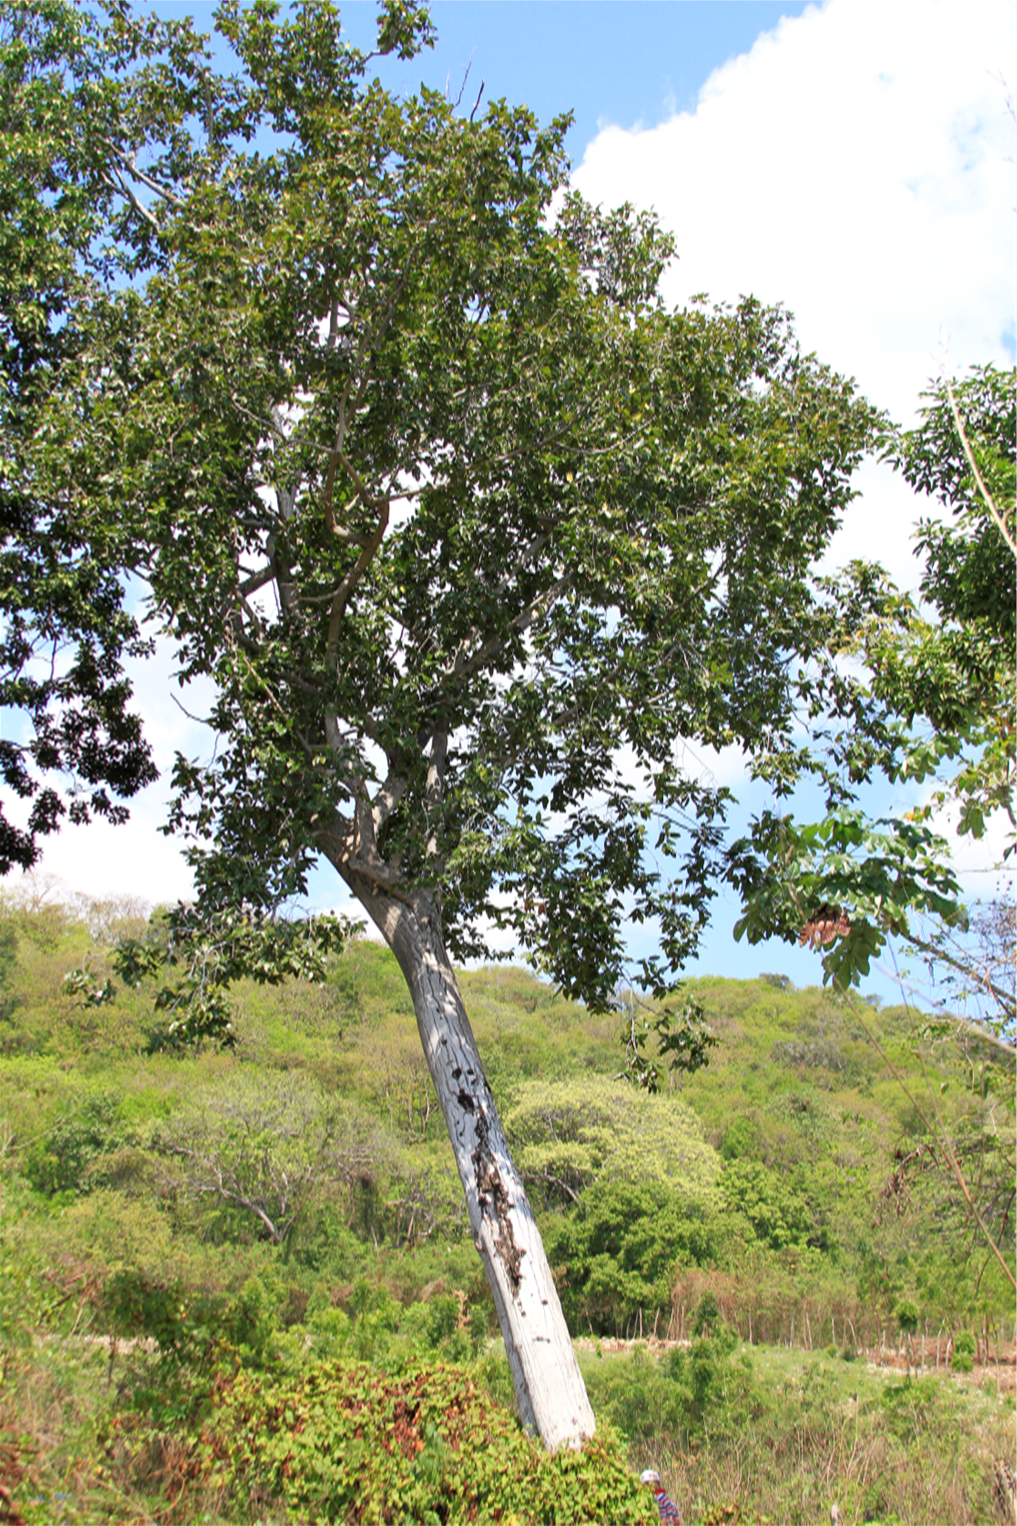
(343,1442)
(145,1304)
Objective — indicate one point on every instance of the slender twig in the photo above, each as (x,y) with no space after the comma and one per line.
(1004,998)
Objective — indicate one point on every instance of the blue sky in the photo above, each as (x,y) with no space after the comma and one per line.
(636,62)
(607,61)
(853,160)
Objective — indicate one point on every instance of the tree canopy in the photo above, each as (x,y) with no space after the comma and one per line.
(463,523)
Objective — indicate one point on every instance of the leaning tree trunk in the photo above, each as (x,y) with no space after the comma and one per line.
(549,1387)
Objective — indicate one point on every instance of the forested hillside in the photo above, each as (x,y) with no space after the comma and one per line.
(198,1245)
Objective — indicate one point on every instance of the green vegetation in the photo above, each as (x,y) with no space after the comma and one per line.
(354,356)
(276,338)
(242,1284)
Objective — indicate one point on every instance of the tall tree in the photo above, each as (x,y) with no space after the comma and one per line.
(471,534)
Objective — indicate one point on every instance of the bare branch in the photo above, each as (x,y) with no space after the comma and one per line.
(351,580)
(463,668)
(120,187)
(386,800)
(146,180)
(462,87)
(989,501)
(256,580)
(435,794)
(1004,998)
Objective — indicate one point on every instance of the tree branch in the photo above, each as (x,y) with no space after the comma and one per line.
(256,580)
(996,992)
(464,668)
(435,791)
(350,581)
(120,188)
(989,501)
(386,800)
(132,169)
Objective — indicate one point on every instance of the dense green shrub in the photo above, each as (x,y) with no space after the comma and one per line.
(778,1215)
(343,1442)
(741,1137)
(615,1254)
(692,1390)
(85,1128)
(912,1409)
(962,1358)
(567,1136)
(190,1328)
(8,965)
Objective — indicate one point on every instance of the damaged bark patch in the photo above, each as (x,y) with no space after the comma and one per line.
(494,1199)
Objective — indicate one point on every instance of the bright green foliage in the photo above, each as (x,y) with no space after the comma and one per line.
(8,964)
(793,1086)
(959,671)
(86,1128)
(882,870)
(345,1443)
(190,1329)
(569,1135)
(962,1358)
(777,1215)
(692,1391)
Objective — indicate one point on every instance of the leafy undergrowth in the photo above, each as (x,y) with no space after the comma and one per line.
(285,1439)
(336,1442)
(346,1443)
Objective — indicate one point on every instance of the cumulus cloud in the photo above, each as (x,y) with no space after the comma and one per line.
(856,165)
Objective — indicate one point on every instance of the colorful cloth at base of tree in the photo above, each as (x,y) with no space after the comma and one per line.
(665,1505)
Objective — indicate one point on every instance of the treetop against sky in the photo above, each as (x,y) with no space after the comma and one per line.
(845,161)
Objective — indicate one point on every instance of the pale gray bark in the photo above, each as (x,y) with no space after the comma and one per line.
(549,1387)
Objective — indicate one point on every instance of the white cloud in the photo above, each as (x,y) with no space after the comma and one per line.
(978,861)
(856,165)
(136,859)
